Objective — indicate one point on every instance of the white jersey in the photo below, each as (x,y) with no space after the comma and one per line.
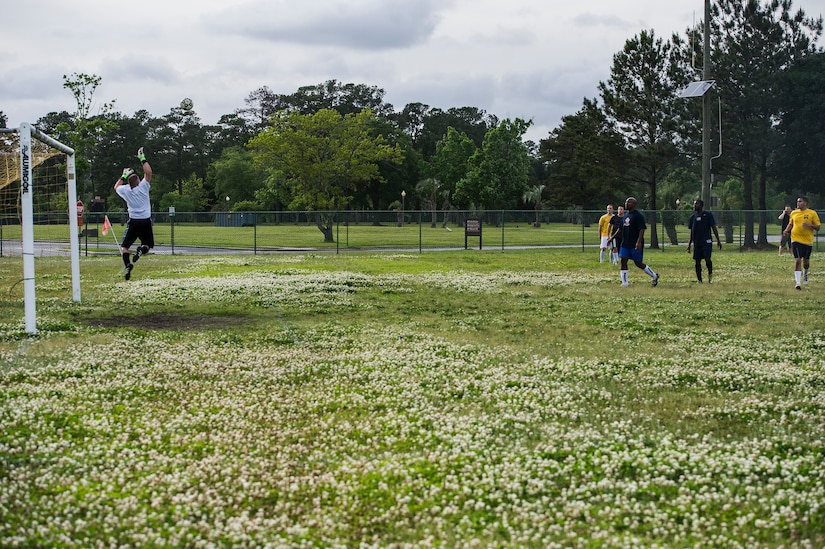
(137,199)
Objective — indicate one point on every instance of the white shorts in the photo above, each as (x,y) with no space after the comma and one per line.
(604,241)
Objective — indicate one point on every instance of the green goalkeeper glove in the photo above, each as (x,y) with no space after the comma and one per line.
(126,173)
(141,156)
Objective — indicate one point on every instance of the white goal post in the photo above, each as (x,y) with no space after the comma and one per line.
(26,133)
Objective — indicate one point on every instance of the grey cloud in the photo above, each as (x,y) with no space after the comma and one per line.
(610,21)
(368,24)
(132,67)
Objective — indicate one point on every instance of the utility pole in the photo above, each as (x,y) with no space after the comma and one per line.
(706,112)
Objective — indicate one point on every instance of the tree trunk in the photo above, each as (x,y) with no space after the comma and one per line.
(654,237)
(762,239)
(669,220)
(325,225)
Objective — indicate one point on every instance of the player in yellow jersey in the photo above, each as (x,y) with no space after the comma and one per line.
(604,231)
(801,227)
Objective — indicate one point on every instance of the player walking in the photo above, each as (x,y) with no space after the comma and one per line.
(633,243)
(135,192)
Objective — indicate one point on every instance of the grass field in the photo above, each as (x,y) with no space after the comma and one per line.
(454,399)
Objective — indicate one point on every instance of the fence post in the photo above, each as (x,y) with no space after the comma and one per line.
(420,232)
(502,231)
(172,227)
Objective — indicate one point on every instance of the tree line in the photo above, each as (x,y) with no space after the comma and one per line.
(335,145)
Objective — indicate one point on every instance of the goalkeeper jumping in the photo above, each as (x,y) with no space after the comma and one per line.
(135,192)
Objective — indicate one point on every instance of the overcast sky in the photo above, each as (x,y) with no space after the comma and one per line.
(533,59)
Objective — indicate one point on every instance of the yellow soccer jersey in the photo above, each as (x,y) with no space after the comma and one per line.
(803,235)
(604,225)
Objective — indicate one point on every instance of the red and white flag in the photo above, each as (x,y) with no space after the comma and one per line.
(106,225)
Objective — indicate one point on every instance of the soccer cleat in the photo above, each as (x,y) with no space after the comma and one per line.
(625,285)
(655,280)
(798,287)
(129,271)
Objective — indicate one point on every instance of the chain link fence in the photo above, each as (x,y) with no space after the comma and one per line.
(395,230)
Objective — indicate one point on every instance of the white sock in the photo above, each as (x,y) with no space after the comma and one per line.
(649,271)
(625,279)
(798,276)
(601,256)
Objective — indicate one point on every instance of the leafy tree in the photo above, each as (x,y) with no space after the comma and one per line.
(587,160)
(260,105)
(800,161)
(451,162)
(234,175)
(344,98)
(84,131)
(180,147)
(411,120)
(472,121)
(756,44)
(321,158)
(639,97)
(533,196)
(232,130)
(499,170)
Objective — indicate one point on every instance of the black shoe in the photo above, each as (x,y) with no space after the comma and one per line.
(129,268)
(137,255)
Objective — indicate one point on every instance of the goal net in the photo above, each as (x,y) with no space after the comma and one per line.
(38,212)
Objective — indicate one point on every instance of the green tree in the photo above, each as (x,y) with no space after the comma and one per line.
(321,158)
(451,162)
(499,171)
(639,97)
(586,159)
(332,95)
(800,160)
(471,121)
(533,196)
(755,45)
(85,130)
(235,176)
(180,146)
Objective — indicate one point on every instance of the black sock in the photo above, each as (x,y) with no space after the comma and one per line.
(698,270)
(126,259)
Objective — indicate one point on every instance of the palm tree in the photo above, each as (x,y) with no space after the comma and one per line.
(533,196)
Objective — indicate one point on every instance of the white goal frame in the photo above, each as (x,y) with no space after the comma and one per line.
(25,135)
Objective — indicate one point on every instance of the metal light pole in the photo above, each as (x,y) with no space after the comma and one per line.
(403,200)
(706,121)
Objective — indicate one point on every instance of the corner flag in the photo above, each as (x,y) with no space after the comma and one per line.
(106,225)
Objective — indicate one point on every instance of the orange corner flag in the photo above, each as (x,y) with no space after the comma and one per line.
(106,225)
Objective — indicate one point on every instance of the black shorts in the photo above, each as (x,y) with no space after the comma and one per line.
(801,251)
(138,229)
(702,251)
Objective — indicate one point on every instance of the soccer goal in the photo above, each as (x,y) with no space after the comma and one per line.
(38,197)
